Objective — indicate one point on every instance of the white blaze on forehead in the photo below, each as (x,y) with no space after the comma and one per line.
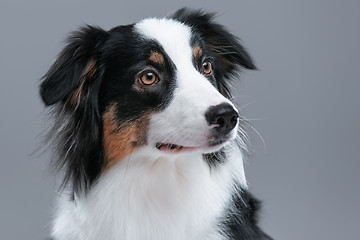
(172,35)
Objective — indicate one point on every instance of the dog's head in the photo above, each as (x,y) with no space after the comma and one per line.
(160,84)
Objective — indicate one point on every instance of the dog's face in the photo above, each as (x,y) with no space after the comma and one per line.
(159,84)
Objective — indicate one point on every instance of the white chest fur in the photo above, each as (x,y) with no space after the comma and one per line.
(164,198)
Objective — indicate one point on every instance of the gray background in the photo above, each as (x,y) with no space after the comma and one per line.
(304,101)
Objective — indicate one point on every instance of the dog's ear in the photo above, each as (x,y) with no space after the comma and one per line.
(73,83)
(229,53)
(75,65)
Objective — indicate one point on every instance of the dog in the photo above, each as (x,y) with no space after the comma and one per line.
(150,144)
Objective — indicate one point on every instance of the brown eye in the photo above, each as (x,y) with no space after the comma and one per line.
(148,78)
(206,67)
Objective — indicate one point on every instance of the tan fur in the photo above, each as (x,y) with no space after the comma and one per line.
(157,58)
(88,74)
(120,141)
(197,52)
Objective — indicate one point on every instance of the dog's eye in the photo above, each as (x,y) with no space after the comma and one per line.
(206,67)
(148,78)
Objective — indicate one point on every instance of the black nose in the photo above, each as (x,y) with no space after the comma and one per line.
(222,117)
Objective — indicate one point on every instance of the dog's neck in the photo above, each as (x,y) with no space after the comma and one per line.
(164,193)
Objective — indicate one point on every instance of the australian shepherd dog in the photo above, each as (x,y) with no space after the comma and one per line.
(147,137)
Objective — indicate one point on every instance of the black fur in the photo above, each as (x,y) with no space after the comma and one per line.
(242,221)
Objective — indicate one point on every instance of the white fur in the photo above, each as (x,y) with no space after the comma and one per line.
(143,198)
(152,195)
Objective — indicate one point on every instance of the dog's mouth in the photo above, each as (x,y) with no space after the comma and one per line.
(174,148)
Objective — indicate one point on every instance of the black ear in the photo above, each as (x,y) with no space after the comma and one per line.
(74,81)
(75,62)
(219,40)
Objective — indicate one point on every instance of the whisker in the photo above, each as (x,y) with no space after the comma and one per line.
(169,136)
(253,119)
(246,105)
(241,142)
(243,134)
(262,139)
(242,137)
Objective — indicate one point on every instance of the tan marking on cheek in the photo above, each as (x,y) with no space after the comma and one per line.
(88,74)
(120,141)
(197,52)
(157,58)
